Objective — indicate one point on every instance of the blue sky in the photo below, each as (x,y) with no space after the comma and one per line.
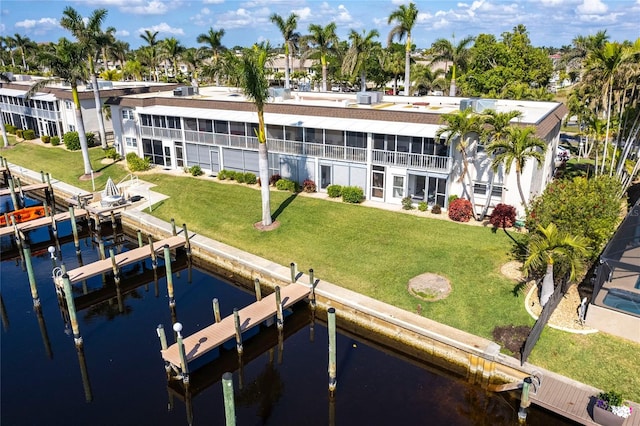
(549,22)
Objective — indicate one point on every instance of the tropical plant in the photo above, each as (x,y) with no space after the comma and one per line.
(89,35)
(352,194)
(291,38)
(549,246)
(23,43)
(255,86)
(459,127)
(517,145)
(458,54)
(355,59)
(321,42)
(172,51)
(460,210)
(152,51)
(405,18)
(67,62)
(213,40)
(427,79)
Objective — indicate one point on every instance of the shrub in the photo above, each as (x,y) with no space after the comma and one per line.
(29,134)
(422,206)
(452,198)
(503,216)
(308,185)
(352,194)
(55,140)
(91,139)
(196,170)
(231,175)
(45,138)
(71,141)
(436,209)
(274,179)
(19,133)
(407,203)
(222,174)
(287,185)
(250,178)
(334,191)
(112,154)
(460,210)
(137,164)
(10,128)
(240,177)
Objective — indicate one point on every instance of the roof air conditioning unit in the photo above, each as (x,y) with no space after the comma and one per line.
(183,91)
(363,98)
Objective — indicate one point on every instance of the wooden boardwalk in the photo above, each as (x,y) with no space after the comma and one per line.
(43,221)
(572,401)
(201,342)
(25,188)
(122,259)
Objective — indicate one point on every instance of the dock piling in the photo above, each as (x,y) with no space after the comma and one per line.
(294,272)
(216,310)
(74,229)
(312,281)
(14,198)
(154,260)
(163,344)
(52,194)
(331,320)
(256,284)
(140,243)
(167,266)
(177,327)
(32,276)
(229,407)
(173,227)
(71,308)
(279,313)
(114,267)
(524,401)
(236,317)
(101,251)
(187,243)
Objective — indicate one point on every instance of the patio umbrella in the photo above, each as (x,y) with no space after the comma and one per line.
(110,189)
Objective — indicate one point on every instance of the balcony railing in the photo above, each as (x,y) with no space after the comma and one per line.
(31,112)
(154,132)
(420,161)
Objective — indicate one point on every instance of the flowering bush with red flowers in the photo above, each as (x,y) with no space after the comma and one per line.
(503,216)
(460,210)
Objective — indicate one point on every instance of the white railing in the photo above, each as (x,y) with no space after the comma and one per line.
(420,161)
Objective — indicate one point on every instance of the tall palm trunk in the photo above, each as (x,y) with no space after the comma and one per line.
(82,135)
(606,137)
(363,80)
(5,139)
(524,200)
(323,60)
(263,167)
(465,174)
(452,87)
(407,64)
(287,84)
(96,98)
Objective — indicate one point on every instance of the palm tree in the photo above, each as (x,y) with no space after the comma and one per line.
(517,145)
(67,63)
(606,62)
(405,16)
(172,50)
(132,69)
(118,52)
(549,246)
(291,38)
(214,41)
(192,57)
(392,62)
(355,59)
(10,43)
(457,54)
(151,40)
(255,86)
(428,79)
(459,128)
(321,41)
(3,130)
(22,43)
(91,37)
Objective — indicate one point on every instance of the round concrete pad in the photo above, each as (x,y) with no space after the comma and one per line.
(429,287)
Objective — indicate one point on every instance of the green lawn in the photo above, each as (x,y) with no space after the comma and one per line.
(371,251)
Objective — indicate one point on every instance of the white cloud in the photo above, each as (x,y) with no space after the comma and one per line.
(39,26)
(205,11)
(153,7)
(343,15)
(552,2)
(162,28)
(304,13)
(592,7)
(213,1)
(122,33)
(238,18)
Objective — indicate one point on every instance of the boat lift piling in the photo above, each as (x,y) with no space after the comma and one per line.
(331,320)
(32,277)
(256,284)
(216,310)
(71,307)
(74,229)
(167,266)
(12,189)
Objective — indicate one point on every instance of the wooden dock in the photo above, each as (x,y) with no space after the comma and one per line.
(122,259)
(40,222)
(572,401)
(26,188)
(203,341)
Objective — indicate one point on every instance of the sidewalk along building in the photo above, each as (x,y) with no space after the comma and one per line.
(51,111)
(384,144)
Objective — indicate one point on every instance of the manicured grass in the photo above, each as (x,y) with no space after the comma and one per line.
(376,252)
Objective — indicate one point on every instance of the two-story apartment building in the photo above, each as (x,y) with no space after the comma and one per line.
(387,147)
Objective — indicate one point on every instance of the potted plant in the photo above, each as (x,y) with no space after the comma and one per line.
(610,409)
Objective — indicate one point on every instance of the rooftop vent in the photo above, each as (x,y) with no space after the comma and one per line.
(183,91)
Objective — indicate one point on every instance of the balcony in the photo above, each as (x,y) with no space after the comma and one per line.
(405,159)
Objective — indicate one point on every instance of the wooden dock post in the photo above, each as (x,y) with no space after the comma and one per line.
(524,401)
(6,219)
(294,272)
(173,227)
(312,281)
(140,243)
(114,224)
(229,406)
(47,211)
(256,284)
(167,267)
(187,244)
(177,327)
(163,344)
(14,198)
(114,267)
(71,307)
(279,314)
(331,320)
(154,260)
(52,194)
(216,310)
(74,229)
(32,276)
(101,251)
(236,317)
(84,372)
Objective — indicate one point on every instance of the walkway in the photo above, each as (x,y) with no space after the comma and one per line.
(43,221)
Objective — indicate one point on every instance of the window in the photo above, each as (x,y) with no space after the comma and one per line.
(236,128)
(130,142)
(173,123)
(275,132)
(293,133)
(334,137)
(221,127)
(68,104)
(398,186)
(72,128)
(127,114)
(313,135)
(191,124)
(159,121)
(356,139)
(206,125)
(480,188)
(145,120)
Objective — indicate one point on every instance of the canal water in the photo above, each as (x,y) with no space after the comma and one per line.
(118,377)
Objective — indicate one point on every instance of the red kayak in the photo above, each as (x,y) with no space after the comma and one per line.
(23,215)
